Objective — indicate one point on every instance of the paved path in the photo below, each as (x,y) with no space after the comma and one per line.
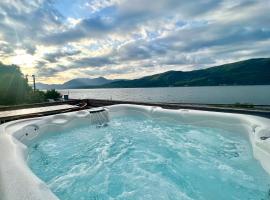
(12,113)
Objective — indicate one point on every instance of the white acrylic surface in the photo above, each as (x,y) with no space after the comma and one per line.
(17,182)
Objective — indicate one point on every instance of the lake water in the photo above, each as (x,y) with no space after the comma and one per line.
(259,95)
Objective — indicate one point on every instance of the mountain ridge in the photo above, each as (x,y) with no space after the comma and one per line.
(254,71)
(77,83)
(248,72)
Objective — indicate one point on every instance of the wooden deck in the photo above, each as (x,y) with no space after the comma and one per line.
(7,114)
(26,111)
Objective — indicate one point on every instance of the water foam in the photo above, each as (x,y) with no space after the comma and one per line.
(140,158)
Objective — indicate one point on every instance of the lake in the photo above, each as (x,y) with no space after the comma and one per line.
(259,95)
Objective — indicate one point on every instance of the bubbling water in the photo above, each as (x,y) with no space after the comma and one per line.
(140,158)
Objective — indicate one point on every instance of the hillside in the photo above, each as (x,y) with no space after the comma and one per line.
(76,83)
(248,72)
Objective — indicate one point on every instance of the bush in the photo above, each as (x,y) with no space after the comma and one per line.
(36,96)
(52,94)
(243,105)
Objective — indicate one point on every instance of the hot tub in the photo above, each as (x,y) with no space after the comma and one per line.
(143,152)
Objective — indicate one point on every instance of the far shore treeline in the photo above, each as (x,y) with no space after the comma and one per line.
(14,88)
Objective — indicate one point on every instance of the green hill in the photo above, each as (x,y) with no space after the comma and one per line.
(248,72)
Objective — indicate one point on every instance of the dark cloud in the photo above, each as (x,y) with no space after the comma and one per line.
(141,10)
(30,49)
(44,71)
(53,57)
(233,36)
(5,49)
(93,62)
(134,51)
(140,50)
(82,64)
(87,28)
(105,71)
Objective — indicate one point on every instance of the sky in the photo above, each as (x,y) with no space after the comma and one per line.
(58,40)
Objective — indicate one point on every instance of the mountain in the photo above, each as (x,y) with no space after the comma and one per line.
(248,72)
(84,82)
(42,86)
(76,83)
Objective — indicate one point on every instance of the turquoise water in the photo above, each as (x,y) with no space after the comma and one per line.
(140,158)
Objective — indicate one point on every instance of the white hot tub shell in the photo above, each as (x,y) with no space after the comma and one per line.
(18,182)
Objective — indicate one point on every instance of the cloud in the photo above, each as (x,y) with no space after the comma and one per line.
(131,38)
(5,49)
(55,56)
(22,22)
(45,71)
(86,28)
(134,51)
(128,16)
(93,62)
(81,64)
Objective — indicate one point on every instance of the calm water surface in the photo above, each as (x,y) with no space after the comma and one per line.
(259,95)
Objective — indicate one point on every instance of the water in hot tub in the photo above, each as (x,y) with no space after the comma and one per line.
(141,158)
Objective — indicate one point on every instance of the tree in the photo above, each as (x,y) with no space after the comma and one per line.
(13,86)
